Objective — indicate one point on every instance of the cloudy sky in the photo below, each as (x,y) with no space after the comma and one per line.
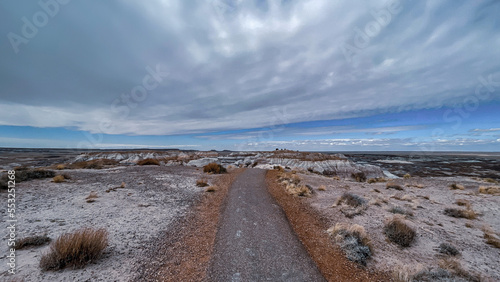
(245,75)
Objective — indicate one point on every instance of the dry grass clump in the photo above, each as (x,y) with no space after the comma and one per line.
(214,168)
(491,237)
(149,161)
(93,164)
(490,180)
(350,199)
(353,240)
(407,176)
(376,180)
(359,176)
(448,249)
(291,182)
(392,185)
(322,188)
(75,249)
(210,189)
(463,203)
(91,197)
(201,182)
(351,204)
(456,268)
(58,179)
(399,232)
(400,210)
(455,186)
(60,167)
(489,190)
(37,240)
(459,213)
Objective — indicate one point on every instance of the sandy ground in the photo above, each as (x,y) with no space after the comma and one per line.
(152,200)
(433,227)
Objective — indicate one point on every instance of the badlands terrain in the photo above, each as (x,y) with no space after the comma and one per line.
(151,209)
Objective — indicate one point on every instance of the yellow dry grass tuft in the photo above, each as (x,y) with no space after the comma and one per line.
(492,190)
(60,167)
(322,188)
(211,189)
(202,182)
(455,186)
(58,179)
(75,249)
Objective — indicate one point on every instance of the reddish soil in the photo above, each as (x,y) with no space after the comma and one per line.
(311,229)
(185,251)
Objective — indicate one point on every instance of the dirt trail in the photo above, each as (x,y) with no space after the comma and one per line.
(255,241)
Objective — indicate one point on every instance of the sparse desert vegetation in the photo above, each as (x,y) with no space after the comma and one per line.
(91,197)
(75,249)
(214,168)
(149,161)
(212,188)
(353,240)
(460,213)
(455,186)
(359,176)
(58,179)
(393,185)
(489,190)
(399,232)
(322,188)
(448,249)
(491,237)
(32,241)
(400,210)
(201,182)
(351,205)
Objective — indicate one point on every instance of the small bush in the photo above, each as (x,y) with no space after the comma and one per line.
(463,203)
(392,185)
(455,186)
(458,213)
(329,173)
(353,240)
(490,237)
(91,197)
(58,179)
(489,190)
(359,176)
(400,210)
(201,183)
(433,275)
(31,241)
(490,180)
(214,168)
(407,176)
(399,232)
(75,249)
(60,167)
(376,180)
(352,200)
(211,188)
(149,162)
(456,268)
(448,249)
(322,188)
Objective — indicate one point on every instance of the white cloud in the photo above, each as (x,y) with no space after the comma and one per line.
(231,70)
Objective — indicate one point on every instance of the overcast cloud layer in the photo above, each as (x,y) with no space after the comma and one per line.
(240,65)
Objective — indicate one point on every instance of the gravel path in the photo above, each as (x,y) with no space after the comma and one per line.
(255,241)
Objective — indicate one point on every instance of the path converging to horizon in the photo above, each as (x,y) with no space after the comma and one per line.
(255,241)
